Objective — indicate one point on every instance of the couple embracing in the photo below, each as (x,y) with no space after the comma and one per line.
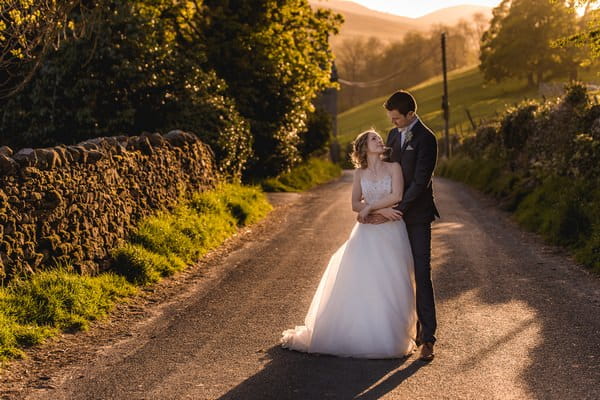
(375,299)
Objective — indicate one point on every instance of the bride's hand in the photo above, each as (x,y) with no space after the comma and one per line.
(362,215)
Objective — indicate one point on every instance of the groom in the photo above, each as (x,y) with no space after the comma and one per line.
(414,146)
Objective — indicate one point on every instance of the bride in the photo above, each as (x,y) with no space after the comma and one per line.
(364,306)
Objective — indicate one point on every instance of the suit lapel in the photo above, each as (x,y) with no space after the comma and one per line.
(392,137)
(404,146)
(414,131)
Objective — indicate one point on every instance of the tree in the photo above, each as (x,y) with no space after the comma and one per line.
(375,67)
(481,23)
(458,51)
(275,57)
(518,42)
(359,59)
(31,29)
(132,74)
(590,33)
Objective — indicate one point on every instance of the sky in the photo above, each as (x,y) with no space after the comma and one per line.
(417,8)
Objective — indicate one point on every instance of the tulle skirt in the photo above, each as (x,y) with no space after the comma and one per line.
(364,306)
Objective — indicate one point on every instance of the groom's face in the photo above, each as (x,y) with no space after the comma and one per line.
(400,120)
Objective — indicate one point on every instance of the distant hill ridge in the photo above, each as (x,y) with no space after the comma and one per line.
(361,21)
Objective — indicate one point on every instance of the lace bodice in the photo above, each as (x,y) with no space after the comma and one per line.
(375,190)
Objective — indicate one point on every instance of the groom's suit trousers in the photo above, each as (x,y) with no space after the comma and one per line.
(420,243)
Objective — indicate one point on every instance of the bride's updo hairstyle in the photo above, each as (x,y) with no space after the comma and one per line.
(359,149)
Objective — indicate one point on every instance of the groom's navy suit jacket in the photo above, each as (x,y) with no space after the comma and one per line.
(418,158)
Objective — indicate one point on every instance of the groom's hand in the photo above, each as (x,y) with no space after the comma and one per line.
(390,214)
(375,219)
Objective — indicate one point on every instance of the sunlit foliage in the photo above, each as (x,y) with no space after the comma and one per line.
(241,74)
(589,36)
(519,41)
(131,74)
(29,29)
(275,57)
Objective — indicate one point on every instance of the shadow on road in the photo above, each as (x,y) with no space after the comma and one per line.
(292,375)
(547,305)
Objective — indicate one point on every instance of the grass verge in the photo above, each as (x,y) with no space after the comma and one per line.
(52,301)
(303,177)
(34,309)
(166,242)
(560,209)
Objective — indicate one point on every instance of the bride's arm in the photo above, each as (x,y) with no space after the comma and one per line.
(397,189)
(357,203)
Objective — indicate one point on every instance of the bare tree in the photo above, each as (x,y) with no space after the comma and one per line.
(354,57)
(481,23)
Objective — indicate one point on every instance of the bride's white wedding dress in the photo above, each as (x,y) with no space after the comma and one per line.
(364,306)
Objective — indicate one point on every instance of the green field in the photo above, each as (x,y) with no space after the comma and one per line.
(467,90)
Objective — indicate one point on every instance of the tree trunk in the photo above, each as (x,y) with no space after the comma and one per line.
(530,82)
(539,75)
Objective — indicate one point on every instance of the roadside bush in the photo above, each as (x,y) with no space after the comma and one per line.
(546,169)
(517,124)
(554,209)
(275,58)
(315,141)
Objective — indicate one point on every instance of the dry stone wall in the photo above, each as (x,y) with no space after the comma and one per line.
(73,204)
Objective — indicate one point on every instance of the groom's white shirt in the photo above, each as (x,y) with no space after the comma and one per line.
(406,129)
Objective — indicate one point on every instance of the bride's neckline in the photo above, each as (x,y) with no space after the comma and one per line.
(375,181)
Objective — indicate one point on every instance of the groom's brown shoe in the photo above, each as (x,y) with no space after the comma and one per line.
(426,352)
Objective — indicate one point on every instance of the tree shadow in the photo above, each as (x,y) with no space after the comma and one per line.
(293,375)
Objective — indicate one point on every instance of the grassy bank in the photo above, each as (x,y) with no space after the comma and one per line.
(466,90)
(564,211)
(47,303)
(54,301)
(303,177)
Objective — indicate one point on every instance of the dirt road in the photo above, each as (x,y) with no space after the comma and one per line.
(517,319)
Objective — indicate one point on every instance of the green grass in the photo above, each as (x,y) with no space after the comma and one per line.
(303,177)
(563,210)
(466,91)
(166,242)
(34,309)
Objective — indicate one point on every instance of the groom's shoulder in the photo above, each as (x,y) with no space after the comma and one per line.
(425,130)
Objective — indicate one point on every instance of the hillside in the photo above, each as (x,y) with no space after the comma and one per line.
(364,22)
(350,7)
(360,21)
(466,91)
(359,25)
(452,15)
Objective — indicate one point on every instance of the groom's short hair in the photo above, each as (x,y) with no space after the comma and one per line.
(401,101)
